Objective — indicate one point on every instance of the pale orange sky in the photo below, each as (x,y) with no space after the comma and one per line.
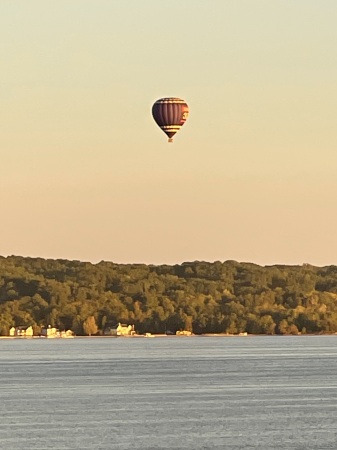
(85,172)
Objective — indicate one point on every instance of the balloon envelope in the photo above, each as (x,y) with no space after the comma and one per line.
(170,114)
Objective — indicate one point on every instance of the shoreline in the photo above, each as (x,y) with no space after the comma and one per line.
(137,336)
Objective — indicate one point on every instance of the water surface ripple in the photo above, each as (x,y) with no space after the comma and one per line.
(188,393)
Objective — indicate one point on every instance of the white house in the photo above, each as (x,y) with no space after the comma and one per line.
(23,331)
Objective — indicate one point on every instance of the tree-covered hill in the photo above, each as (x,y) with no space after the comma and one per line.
(219,297)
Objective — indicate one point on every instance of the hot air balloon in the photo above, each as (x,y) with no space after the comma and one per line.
(170,114)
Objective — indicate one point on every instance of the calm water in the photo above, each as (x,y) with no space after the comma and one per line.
(169,393)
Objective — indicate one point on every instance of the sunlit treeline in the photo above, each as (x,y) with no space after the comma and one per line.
(219,297)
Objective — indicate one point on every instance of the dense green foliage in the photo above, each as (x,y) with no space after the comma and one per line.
(228,297)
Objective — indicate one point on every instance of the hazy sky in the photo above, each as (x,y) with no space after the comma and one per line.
(85,172)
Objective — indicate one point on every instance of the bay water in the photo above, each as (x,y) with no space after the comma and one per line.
(191,393)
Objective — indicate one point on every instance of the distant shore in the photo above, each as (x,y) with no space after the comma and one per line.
(137,336)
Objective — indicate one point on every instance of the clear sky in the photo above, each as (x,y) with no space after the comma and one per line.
(85,172)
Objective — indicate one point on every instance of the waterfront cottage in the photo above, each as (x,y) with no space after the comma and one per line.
(67,334)
(50,332)
(120,330)
(23,331)
(184,333)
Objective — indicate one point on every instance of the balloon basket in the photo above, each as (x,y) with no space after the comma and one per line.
(170,140)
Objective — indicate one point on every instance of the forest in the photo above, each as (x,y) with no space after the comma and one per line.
(201,297)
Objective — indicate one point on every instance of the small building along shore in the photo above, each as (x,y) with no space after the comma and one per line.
(120,329)
(23,331)
(51,332)
(184,333)
(48,332)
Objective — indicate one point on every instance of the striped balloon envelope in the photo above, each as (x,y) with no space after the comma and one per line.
(170,114)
